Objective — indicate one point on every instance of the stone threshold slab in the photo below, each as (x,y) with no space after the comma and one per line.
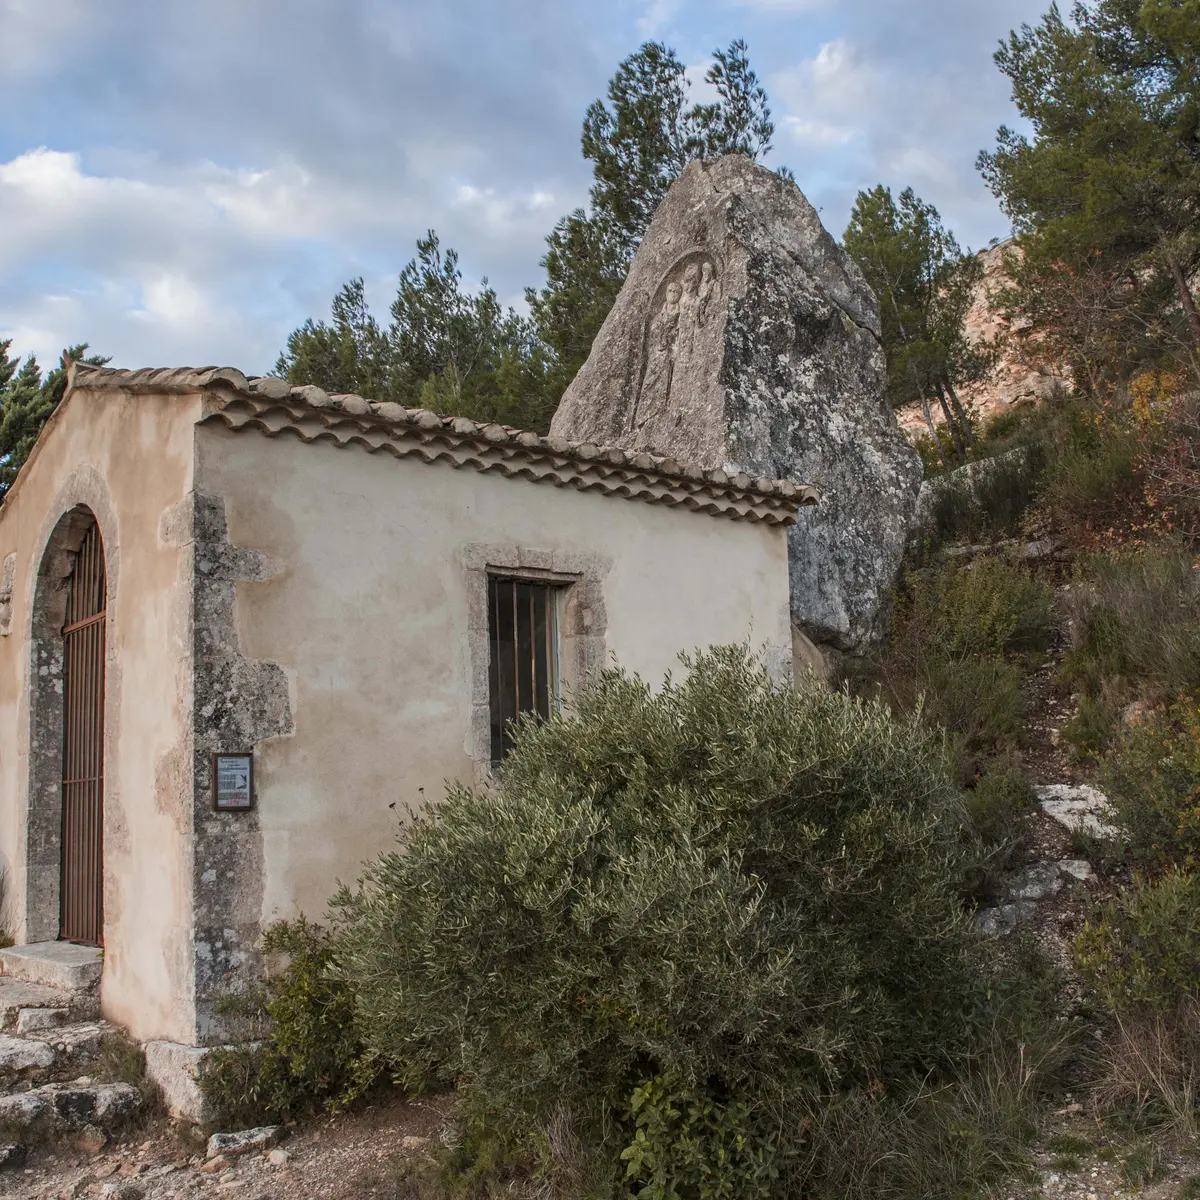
(54,964)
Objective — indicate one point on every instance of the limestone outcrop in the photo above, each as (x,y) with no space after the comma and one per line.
(1023,372)
(745,338)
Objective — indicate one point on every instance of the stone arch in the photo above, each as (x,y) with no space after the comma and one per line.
(82,500)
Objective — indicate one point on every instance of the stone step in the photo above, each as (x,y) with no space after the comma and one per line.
(61,1053)
(20,1001)
(54,964)
(34,1021)
(56,1107)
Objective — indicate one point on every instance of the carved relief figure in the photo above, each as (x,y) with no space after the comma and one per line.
(671,341)
(660,358)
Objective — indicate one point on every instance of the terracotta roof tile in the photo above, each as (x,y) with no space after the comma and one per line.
(272,406)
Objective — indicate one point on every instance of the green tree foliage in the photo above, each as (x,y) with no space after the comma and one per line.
(585,267)
(639,140)
(647,132)
(464,353)
(924,283)
(685,920)
(446,348)
(350,354)
(27,400)
(1103,194)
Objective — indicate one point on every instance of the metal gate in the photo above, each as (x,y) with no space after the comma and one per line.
(82,907)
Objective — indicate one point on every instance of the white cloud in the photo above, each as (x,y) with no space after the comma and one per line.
(502,214)
(195,265)
(213,172)
(51,207)
(158,264)
(783,6)
(657,15)
(828,98)
(810,133)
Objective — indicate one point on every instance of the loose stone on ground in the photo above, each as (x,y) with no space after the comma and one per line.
(1077,807)
(231,1145)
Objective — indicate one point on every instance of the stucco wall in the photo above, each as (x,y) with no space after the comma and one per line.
(129,460)
(367,598)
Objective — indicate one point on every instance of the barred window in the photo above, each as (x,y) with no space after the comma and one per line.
(523,638)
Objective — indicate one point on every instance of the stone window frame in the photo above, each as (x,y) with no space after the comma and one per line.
(581,626)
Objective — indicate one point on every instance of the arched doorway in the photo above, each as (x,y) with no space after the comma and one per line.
(81,896)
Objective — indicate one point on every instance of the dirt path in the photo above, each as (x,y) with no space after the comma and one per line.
(349,1157)
(1046,759)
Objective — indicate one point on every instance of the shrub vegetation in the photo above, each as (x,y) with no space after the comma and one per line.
(1136,621)
(960,635)
(310,1056)
(1152,776)
(691,927)
(986,500)
(1140,952)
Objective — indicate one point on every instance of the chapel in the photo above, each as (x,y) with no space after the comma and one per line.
(246,628)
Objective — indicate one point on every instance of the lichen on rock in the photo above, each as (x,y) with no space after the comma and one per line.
(745,338)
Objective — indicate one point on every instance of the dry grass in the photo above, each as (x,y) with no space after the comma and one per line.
(1151,1066)
(939,1142)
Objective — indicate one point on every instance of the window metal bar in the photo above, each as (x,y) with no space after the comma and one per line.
(522,654)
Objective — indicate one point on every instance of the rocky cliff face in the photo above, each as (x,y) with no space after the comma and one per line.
(746,338)
(1021,375)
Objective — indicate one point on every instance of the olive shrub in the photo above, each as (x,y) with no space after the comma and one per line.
(683,921)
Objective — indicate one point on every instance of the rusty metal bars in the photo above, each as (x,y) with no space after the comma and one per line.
(82,884)
(521,633)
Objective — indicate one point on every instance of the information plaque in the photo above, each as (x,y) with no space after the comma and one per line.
(233,782)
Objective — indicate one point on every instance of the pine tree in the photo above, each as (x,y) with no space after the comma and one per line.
(1106,186)
(924,283)
(352,354)
(446,349)
(639,140)
(463,352)
(26,404)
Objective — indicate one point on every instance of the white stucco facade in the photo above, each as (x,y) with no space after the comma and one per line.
(323,606)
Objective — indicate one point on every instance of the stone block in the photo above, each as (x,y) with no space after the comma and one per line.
(1077,806)
(1037,882)
(16,995)
(175,1069)
(54,964)
(38,1020)
(19,1054)
(1005,918)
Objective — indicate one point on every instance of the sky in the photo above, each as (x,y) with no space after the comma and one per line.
(183,182)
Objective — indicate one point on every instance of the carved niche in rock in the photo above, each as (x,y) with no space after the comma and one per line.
(673,350)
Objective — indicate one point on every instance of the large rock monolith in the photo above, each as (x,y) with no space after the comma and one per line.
(746,338)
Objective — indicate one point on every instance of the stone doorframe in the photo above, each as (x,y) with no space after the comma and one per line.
(82,500)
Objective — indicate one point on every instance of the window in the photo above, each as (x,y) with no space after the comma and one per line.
(523,640)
